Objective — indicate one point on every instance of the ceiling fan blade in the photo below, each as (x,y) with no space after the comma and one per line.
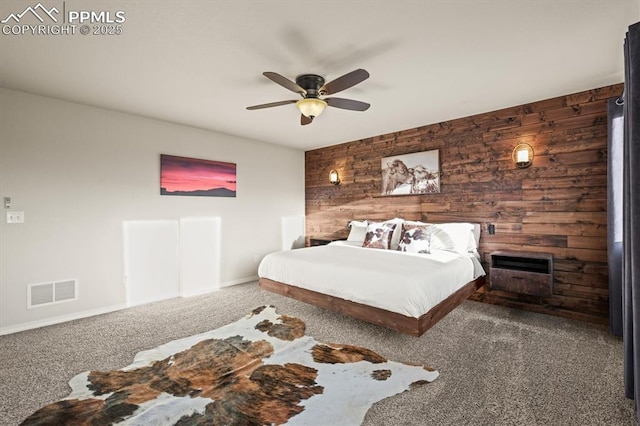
(344,82)
(349,104)
(272,104)
(284,82)
(304,120)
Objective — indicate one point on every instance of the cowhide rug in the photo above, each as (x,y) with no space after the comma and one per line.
(259,370)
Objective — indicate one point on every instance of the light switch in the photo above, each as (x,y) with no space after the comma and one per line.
(15,217)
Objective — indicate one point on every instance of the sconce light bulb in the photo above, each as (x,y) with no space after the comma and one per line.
(523,156)
(334,178)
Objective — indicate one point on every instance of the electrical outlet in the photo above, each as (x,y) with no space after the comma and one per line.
(15,217)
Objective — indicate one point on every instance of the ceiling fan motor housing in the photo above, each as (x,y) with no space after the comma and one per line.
(311,83)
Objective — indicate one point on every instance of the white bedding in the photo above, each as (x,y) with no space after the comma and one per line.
(406,283)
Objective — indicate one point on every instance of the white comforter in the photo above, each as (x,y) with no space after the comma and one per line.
(406,283)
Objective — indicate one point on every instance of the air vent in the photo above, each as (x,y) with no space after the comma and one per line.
(44,294)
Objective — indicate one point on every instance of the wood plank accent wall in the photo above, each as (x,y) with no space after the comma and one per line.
(558,205)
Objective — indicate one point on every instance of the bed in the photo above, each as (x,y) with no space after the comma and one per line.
(402,275)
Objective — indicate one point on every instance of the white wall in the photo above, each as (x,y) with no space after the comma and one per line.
(79,172)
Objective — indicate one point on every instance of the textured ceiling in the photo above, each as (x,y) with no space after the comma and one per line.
(200,63)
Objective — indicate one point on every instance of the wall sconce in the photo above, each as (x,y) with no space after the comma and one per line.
(522,155)
(334,178)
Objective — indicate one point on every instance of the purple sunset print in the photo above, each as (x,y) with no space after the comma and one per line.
(192,176)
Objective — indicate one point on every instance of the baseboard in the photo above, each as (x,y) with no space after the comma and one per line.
(231,283)
(239,281)
(59,319)
(84,314)
(198,292)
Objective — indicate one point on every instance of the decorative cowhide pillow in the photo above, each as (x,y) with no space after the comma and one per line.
(415,238)
(379,235)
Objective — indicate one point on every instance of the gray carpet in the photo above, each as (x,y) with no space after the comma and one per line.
(497,366)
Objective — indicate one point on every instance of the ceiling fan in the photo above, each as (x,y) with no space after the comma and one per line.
(311,87)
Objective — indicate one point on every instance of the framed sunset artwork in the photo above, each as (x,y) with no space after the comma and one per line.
(196,177)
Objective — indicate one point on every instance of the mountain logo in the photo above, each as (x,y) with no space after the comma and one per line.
(38,11)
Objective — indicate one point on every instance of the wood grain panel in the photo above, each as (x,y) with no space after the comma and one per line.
(558,205)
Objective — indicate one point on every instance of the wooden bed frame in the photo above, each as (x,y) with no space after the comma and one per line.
(394,321)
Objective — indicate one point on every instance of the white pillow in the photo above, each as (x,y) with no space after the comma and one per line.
(455,237)
(440,240)
(397,232)
(474,238)
(358,231)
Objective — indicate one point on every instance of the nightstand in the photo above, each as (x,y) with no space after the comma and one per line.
(323,241)
(522,272)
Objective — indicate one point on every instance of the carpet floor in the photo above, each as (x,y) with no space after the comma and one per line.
(498,366)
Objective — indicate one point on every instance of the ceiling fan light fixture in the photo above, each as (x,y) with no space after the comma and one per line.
(311,107)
